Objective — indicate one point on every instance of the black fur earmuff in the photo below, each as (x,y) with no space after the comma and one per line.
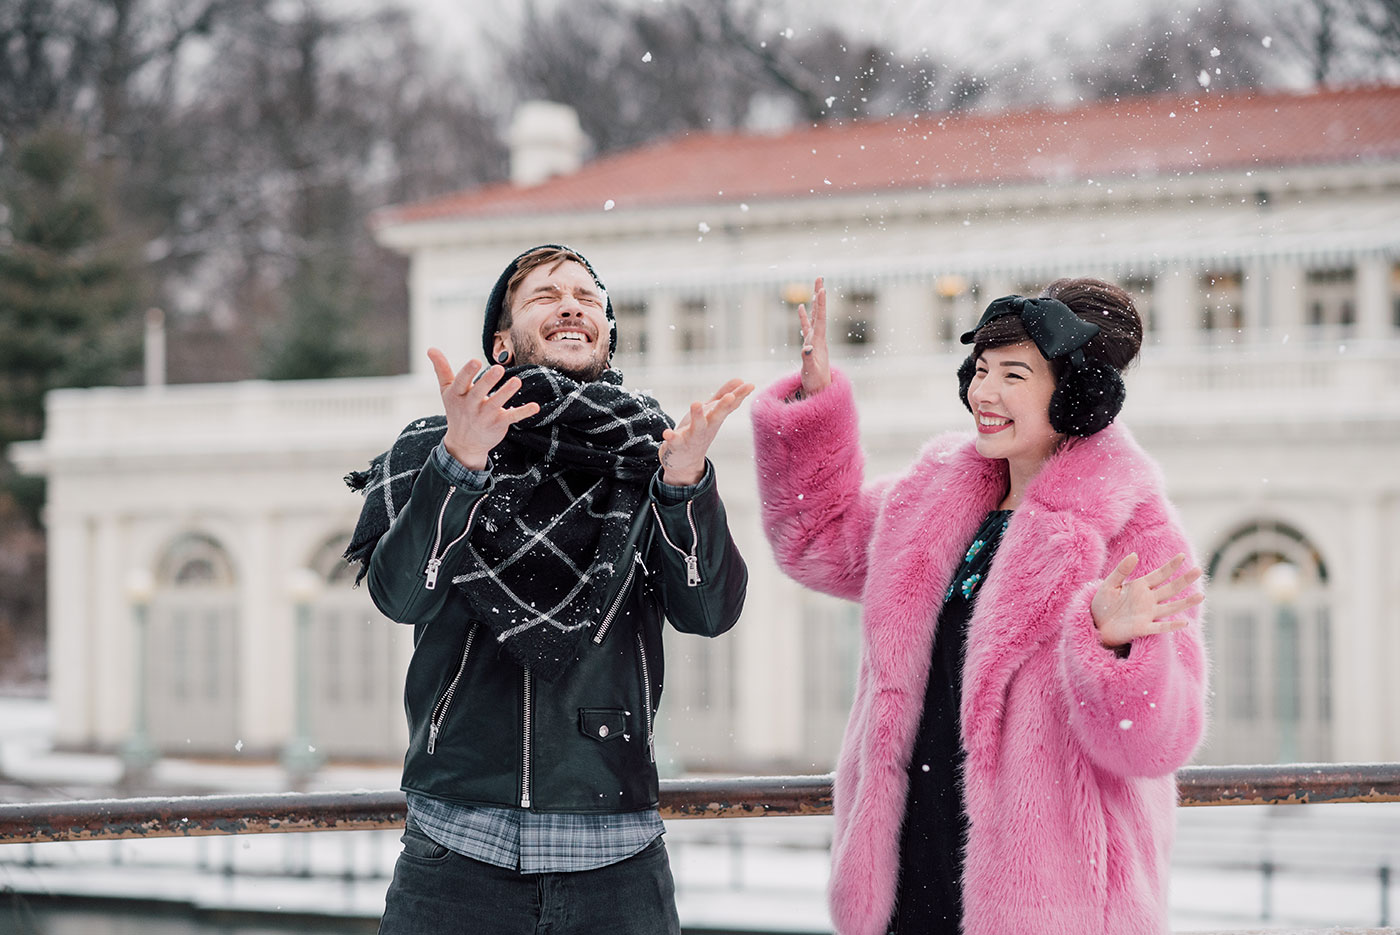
(1087,399)
(1089,395)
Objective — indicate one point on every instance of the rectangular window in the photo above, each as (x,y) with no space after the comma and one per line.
(631,327)
(858,318)
(1330,298)
(1222,301)
(693,325)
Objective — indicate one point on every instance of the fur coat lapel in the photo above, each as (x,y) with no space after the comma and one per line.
(1057,540)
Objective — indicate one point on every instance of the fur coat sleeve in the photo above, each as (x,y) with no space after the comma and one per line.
(816,511)
(1068,779)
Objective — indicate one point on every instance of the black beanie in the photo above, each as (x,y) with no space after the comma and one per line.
(496,301)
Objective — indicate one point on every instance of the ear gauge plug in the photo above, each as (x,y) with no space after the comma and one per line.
(502,357)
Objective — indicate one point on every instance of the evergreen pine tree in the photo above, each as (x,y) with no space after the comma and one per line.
(69,289)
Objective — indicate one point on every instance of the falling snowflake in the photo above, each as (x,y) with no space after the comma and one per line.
(1125,724)
(647,57)
(609,205)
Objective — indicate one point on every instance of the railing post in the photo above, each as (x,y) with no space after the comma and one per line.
(1385,895)
(300,757)
(138,754)
(1266,875)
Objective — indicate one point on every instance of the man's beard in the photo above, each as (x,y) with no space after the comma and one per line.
(530,350)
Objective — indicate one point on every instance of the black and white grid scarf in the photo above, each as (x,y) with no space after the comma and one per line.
(547,536)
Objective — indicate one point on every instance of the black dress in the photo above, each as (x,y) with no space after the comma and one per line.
(928,900)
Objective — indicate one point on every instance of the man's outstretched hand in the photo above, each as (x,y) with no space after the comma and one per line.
(683,448)
(477,418)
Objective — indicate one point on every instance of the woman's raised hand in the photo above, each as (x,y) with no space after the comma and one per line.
(1124,609)
(816,364)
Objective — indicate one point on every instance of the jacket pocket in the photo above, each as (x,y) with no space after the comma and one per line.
(604,724)
(444,702)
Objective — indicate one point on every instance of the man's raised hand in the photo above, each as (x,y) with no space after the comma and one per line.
(683,448)
(477,417)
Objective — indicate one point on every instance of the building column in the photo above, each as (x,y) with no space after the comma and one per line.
(767,685)
(750,335)
(72,636)
(904,318)
(422,330)
(661,329)
(1287,285)
(1357,612)
(1255,299)
(263,632)
(1388,625)
(1373,299)
(110,651)
(1176,303)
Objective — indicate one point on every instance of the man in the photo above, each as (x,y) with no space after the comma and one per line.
(535,538)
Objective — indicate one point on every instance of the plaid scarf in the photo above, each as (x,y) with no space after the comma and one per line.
(544,546)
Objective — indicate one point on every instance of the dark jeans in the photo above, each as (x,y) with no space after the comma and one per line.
(438,892)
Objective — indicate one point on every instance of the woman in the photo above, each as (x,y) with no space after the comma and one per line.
(1032,669)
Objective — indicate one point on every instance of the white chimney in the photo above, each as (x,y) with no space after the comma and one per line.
(545,140)
(154,348)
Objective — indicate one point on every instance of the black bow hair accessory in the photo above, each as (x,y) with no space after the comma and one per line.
(1089,395)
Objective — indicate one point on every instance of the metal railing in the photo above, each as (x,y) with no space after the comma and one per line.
(746,797)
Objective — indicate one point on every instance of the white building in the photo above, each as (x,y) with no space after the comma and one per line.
(1260,233)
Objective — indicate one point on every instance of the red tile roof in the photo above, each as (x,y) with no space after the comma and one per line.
(1135,137)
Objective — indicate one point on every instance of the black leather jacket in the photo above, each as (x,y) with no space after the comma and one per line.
(483,730)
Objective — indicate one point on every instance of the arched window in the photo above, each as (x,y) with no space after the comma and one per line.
(1271,642)
(355,665)
(192,648)
(195,561)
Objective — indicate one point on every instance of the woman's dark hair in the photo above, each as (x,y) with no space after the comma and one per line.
(1101,303)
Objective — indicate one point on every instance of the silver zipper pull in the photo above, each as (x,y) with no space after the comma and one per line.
(651,746)
(432,738)
(692,570)
(433,565)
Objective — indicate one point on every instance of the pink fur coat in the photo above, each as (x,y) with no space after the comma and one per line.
(1070,749)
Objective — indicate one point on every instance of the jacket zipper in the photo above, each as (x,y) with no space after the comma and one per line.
(692,560)
(525,760)
(445,702)
(436,557)
(646,696)
(617,602)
